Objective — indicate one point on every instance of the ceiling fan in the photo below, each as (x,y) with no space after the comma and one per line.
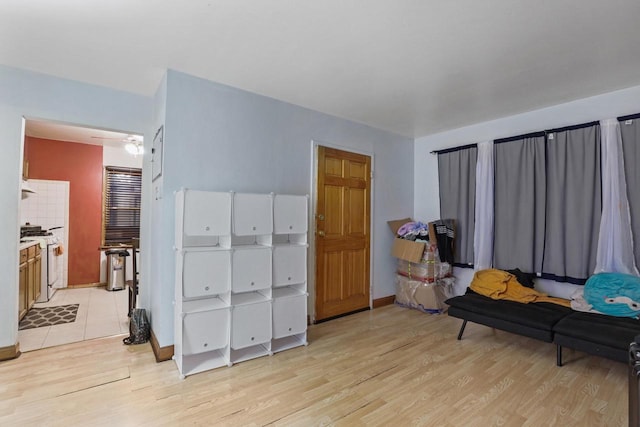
(133,143)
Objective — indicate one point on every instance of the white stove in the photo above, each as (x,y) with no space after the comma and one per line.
(50,264)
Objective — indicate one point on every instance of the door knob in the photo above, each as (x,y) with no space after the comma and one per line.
(321,233)
(321,217)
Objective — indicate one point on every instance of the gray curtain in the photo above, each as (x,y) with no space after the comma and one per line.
(457,182)
(630,131)
(519,202)
(574,202)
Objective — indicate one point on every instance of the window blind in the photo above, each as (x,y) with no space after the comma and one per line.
(121,211)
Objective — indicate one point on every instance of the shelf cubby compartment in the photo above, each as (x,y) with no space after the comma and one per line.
(249,353)
(289,239)
(203,218)
(288,342)
(205,304)
(250,297)
(192,364)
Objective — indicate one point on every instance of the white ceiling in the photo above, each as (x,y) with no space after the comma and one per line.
(72,133)
(409,66)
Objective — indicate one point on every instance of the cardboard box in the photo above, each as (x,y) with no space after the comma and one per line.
(426,297)
(405,249)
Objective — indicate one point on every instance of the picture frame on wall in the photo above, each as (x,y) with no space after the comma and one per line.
(156,154)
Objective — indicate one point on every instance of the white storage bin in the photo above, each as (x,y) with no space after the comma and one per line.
(205,331)
(289,316)
(250,325)
(206,273)
(289,214)
(252,214)
(251,269)
(289,265)
(207,213)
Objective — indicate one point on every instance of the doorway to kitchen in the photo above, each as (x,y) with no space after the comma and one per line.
(80,199)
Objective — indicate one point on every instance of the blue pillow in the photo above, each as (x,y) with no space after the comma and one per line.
(615,294)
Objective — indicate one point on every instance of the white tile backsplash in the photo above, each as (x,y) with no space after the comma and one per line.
(49,207)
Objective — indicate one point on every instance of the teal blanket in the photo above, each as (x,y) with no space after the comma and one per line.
(614,294)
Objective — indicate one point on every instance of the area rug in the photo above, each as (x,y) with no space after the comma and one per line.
(48,316)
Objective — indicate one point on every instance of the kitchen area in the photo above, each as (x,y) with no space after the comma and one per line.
(62,261)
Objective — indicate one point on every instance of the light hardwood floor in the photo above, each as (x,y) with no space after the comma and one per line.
(389,366)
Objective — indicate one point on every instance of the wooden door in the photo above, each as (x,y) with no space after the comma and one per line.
(342,232)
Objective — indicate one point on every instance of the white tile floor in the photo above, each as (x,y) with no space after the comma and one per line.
(101,313)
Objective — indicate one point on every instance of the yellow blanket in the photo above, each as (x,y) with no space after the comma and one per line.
(498,284)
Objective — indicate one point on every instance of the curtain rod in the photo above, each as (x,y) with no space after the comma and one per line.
(530,135)
(629,117)
(450,150)
(573,127)
(519,137)
(535,134)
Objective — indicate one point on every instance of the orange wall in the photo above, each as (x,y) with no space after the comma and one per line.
(81,165)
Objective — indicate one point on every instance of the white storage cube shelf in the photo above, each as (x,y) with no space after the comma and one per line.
(241,277)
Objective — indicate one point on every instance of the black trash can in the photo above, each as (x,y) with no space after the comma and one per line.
(116,269)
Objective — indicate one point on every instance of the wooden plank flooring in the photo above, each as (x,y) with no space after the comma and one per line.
(389,366)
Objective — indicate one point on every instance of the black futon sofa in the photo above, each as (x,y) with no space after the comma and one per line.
(591,333)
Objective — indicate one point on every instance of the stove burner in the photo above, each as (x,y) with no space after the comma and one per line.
(29,230)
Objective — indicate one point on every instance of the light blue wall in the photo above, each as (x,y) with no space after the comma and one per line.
(152,298)
(427,206)
(33,95)
(220,138)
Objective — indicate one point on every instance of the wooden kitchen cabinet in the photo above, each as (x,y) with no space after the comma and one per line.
(23,303)
(37,280)
(30,278)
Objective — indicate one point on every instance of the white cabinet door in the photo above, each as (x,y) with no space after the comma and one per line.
(289,214)
(205,331)
(206,273)
(251,325)
(251,269)
(289,316)
(289,265)
(207,213)
(252,214)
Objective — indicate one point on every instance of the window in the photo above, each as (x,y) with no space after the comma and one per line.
(121,207)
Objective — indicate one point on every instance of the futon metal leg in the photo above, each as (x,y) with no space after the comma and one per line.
(464,323)
(558,355)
